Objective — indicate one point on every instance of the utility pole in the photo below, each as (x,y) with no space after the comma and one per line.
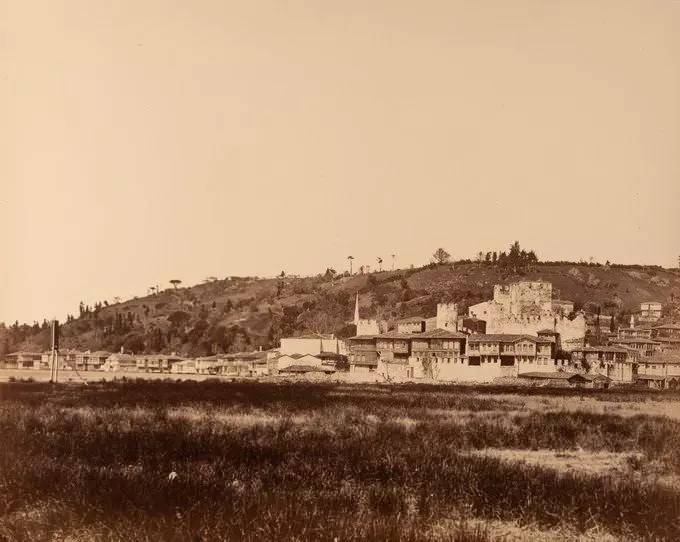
(54,374)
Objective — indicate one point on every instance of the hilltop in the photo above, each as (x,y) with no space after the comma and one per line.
(242,313)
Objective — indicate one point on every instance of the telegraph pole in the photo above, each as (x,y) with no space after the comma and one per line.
(54,374)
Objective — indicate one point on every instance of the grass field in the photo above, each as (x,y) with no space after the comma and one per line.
(257,461)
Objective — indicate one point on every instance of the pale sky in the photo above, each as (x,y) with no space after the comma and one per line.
(143,140)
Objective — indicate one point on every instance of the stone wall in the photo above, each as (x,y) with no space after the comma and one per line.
(370,327)
(571,331)
(447,316)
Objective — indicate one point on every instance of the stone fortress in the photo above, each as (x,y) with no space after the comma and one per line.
(528,307)
(519,308)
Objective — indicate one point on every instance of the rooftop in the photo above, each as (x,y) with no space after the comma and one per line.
(633,340)
(506,338)
(432,334)
(306,369)
(667,326)
(411,320)
(604,349)
(547,375)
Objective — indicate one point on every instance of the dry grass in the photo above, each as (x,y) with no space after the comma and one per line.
(307,462)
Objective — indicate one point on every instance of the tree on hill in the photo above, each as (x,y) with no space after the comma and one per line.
(440,256)
(175,282)
(178,318)
(380,261)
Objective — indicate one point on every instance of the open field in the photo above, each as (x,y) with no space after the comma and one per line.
(213,460)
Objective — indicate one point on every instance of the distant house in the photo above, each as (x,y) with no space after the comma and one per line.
(186,366)
(363,354)
(589,380)
(245,364)
(641,332)
(414,324)
(662,368)
(313,343)
(306,369)
(651,381)
(331,359)
(157,363)
(564,378)
(208,364)
(469,324)
(120,362)
(668,335)
(615,362)
(650,311)
(547,378)
(287,360)
(91,361)
(646,347)
(23,360)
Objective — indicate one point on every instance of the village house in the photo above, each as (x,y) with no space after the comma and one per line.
(650,311)
(668,335)
(508,355)
(414,324)
(245,364)
(207,365)
(91,361)
(311,344)
(186,366)
(120,362)
(284,361)
(646,347)
(633,331)
(23,360)
(564,379)
(363,354)
(662,371)
(46,360)
(447,355)
(157,363)
(615,362)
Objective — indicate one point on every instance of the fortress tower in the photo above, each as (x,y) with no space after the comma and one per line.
(447,316)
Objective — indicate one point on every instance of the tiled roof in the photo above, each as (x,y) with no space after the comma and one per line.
(331,355)
(605,349)
(633,340)
(306,369)
(589,377)
(667,326)
(650,377)
(506,338)
(547,375)
(432,334)
(367,363)
(439,334)
(411,319)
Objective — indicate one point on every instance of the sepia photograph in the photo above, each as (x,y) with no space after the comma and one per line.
(339,270)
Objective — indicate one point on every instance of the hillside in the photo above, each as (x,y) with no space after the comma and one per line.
(240,313)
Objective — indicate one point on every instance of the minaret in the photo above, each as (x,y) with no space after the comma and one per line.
(356,311)
(632,321)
